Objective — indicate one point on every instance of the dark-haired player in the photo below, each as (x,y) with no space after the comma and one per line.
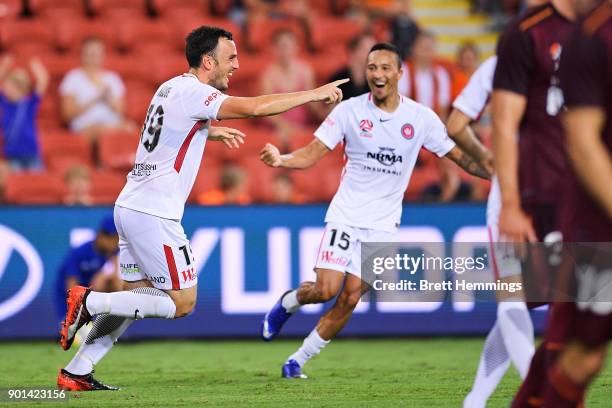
(528,147)
(157,266)
(586,80)
(368,204)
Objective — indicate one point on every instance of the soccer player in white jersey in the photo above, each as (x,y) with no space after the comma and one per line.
(382,133)
(157,266)
(511,338)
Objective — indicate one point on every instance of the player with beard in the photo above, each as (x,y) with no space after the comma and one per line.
(382,133)
(157,266)
(586,81)
(526,102)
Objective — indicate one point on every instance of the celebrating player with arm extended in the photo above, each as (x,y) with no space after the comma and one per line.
(383,133)
(157,266)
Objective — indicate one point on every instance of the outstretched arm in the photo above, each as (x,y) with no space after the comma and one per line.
(41,76)
(5,66)
(468,164)
(461,132)
(302,158)
(268,105)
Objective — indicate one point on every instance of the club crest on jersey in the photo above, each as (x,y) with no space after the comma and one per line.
(366,127)
(385,156)
(407,131)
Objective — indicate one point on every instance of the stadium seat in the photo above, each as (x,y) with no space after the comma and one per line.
(343,31)
(138,99)
(260,178)
(101,7)
(62,144)
(40,7)
(208,177)
(184,24)
(9,9)
(71,34)
(34,188)
(261,31)
(246,80)
(129,67)
(327,63)
(59,65)
(15,33)
(133,34)
(106,186)
(117,149)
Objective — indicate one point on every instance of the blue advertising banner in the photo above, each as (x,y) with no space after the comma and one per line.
(246,257)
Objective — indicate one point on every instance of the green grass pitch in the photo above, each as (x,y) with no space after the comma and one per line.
(348,373)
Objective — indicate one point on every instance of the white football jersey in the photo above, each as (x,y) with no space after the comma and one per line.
(171,147)
(475,96)
(381,150)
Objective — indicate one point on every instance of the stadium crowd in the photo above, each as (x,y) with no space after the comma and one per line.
(77,76)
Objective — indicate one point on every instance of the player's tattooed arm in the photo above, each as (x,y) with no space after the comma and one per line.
(232,138)
(468,164)
(459,129)
(302,158)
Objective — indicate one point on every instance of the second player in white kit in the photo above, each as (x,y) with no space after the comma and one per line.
(382,133)
(511,338)
(157,266)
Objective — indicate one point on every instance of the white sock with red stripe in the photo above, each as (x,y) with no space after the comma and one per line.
(139,303)
(517,330)
(313,344)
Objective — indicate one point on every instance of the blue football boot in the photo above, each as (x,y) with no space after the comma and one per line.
(274,320)
(291,369)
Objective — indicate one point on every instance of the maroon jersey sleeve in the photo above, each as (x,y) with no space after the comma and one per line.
(515,60)
(583,69)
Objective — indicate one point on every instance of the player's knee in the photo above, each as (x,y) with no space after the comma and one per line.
(184,307)
(593,361)
(349,300)
(326,290)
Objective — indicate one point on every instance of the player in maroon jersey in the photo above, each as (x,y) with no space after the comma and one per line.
(528,147)
(586,80)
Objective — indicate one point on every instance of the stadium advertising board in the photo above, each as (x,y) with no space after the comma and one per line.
(246,258)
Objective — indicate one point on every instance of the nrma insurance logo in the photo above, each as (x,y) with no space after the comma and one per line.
(21,273)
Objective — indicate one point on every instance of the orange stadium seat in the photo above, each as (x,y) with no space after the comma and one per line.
(132,34)
(42,6)
(246,80)
(117,149)
(260,179)
(184,24)
(327,63)
(101,7)
(71,34)
(208,177)
(34,188)
(129,67)
(260,32)
(106,186)
(15,33)
(58,146)
(138,99)
(9,9)
(343,31)
(59,65)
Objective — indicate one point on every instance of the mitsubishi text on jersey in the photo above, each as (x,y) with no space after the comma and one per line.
(171,147)
(381,150)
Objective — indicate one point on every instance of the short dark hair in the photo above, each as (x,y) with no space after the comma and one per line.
(385,46)
(202,41)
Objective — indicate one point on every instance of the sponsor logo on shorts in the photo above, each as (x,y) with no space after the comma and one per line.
(328,257)
(189,275)
(157,279)
(128,269)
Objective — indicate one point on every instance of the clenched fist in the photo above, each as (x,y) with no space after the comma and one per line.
(271,156)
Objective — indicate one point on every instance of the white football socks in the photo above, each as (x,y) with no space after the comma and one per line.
(105,332)
(517,331)
(139,303)
(494,362)
(313,344)
(290,302)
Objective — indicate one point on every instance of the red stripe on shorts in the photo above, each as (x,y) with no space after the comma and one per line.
(172,268)
(178,163)
(493,261)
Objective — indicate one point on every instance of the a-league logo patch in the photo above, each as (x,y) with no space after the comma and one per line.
(407,131)
(366,125)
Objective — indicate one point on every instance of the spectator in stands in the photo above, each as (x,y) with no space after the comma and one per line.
(92,98)
(358,49)
(232,190)
(468,59)
(288,73)
(19,103)
(404,30)
(78,184)
(424,80)
(284,192)
(92,264)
